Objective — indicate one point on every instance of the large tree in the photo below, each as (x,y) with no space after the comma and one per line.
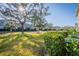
(10,25)
(18,11)
(38,18)
(49,26)
(39,24)
(22,12)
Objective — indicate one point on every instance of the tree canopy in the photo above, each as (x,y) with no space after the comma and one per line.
(23,12)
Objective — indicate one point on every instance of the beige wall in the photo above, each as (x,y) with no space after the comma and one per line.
(77,18)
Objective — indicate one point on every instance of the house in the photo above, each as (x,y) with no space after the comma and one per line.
(77,18)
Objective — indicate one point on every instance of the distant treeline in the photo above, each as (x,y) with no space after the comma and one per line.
(20,29)
(28,29)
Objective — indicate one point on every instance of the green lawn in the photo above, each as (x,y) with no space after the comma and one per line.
(28,44)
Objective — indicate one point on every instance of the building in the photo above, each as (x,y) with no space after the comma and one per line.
(77,16)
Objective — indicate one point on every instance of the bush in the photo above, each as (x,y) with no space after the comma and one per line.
(62,43)
(55,43)
(72,42)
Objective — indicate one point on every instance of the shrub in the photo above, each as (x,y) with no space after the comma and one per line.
(54,43)
(62,43)
(72,42)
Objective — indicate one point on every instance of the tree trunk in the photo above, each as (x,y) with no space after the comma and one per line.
(38,31)
(22,28)
(10,30)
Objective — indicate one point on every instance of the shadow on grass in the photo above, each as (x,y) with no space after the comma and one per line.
(34,43)
(6,45)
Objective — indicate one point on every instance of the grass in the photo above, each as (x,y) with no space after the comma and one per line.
(15,44)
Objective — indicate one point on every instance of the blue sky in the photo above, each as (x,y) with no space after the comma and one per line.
(62,14)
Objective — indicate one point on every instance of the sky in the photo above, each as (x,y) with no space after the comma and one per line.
(62,14)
